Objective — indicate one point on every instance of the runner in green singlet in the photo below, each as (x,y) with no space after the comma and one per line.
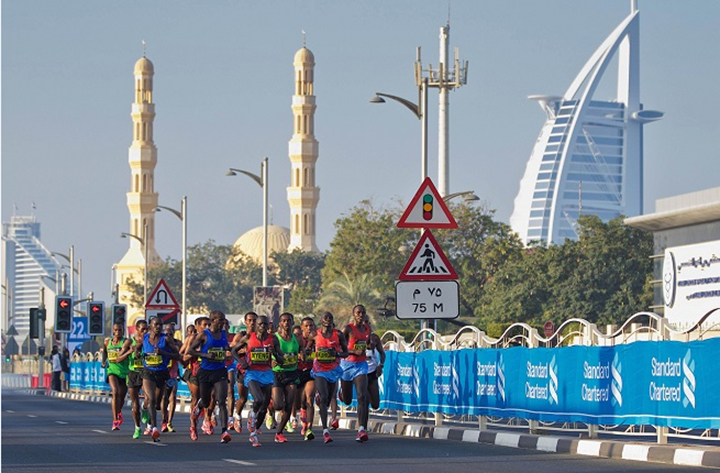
(286,373)
(116,370)
(134,379)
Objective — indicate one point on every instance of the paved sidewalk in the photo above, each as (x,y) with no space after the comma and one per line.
(706,456)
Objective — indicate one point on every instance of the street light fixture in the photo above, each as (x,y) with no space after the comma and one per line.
(262,181)
(468,196)
(143,242)
(420,111)
(182,215)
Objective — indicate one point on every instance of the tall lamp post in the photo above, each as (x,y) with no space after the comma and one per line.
(182,215)
(420,111)
(70,259)
(143,242)
(262,181)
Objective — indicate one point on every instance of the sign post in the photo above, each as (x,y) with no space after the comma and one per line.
(162,303)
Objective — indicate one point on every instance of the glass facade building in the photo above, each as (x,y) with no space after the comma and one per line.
(588,156)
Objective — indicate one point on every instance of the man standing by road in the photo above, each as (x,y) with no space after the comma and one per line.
(56,369)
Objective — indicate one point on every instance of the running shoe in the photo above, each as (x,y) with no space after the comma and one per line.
(237,424)
(138,433)
(362,436)
(251,422)
(164,427)
(334,424)
(207,427)
(304,429)
(170,427)
(147,430)
(145,416)
(289,427)
(119,418)
(225,437)
(230,424)
(213,420)
(294,423)
(327,438)
(270,422)
(115,425)
(309,435)
(155,434)
(280,438)
(193,433)
(254,440)
(303,415)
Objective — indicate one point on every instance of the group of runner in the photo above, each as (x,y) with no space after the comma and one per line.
(286,370)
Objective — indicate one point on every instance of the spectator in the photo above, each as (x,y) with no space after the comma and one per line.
(65,363)
(56,368)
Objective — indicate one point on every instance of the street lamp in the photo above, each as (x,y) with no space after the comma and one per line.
(420,111)
(182,215)
(468,196)
(143,242)
(262,182)
(70,259)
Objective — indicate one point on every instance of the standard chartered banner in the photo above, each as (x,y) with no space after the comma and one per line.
(658,383)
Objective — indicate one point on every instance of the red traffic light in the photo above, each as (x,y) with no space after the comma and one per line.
(63,303)
(96,308)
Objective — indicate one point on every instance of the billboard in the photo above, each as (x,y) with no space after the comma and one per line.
(268,301)
(691,283)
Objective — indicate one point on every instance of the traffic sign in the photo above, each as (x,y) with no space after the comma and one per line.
(427,299)
(166,315)
(162,298)
(549,328)
(427,262)
(427,210)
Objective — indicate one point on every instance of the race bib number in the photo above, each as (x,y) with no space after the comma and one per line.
(325,355)
(153,359)
(291,359)
(260,356)
(361,344)
(113,355)
(217,354)
(137,363)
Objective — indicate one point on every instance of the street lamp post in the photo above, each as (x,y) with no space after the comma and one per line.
(468,196)
(262,182)
(182,215)
(143,242)
(420,111)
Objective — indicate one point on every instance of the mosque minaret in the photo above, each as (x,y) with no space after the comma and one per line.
(303,195)
(142,200)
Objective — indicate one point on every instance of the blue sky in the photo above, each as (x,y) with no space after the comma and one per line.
(223,87)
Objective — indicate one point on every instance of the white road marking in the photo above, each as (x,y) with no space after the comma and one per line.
(157,444)
(9,411)
(61,422)
(239,462)
(31,415)
(100,431)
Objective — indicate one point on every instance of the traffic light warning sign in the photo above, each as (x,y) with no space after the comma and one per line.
(427,210)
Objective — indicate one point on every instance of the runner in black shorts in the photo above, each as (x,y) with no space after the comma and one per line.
(134,378)
(242,390)
(305,397)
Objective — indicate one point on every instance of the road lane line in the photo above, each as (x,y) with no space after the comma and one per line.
(10,412)
(61,422)
(239,462)
(157,444)
(99,431)
(32,416)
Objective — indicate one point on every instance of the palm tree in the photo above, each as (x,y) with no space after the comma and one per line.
(344,293)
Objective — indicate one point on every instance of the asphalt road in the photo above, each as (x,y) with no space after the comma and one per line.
(44,434)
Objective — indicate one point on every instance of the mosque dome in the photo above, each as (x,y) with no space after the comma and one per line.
(144,65)
(251,243)
(304,56)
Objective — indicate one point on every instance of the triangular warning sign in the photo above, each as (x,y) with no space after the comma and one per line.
(427,210)
(427,262)
(161,297)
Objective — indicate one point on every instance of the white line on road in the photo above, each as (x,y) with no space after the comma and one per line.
(31,415)
(239,462)
(61,422)
(157,444)
(10,412)
(100,431)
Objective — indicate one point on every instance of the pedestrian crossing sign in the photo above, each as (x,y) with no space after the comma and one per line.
(427,210)
(427,262)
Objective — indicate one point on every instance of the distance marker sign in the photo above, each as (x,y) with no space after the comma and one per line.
(427,299)
(427,210)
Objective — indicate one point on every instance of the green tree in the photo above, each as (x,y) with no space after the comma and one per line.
(341,295)
(301,272)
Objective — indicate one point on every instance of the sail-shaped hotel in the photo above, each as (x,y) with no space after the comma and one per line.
(588,158)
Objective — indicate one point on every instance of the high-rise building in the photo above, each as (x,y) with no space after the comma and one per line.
(303,195)
(26,264)
(588,158)
(142,200)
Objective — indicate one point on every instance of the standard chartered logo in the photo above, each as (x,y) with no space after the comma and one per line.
(455,382)
(553,382)
(688,368)
(501,377)
(416,381)
(617,383)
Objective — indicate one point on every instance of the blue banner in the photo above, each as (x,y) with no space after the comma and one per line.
(656,383)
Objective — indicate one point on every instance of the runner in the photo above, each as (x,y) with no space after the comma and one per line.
(156,352)
(355,368)
(260,347)
(170,398)
(231,366)
(192,367)
(211,346)
(376,360)
(134,377)
(117,371)
(305,398)
(330,346)
(250,319)
(286,373)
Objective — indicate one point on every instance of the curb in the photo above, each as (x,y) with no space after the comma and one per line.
(647,452)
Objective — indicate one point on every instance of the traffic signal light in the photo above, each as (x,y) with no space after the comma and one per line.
(427,206)
(96,319)
(63,314)
(34,324)
(119,314)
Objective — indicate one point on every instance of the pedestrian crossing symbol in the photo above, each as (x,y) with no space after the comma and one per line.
(427,262)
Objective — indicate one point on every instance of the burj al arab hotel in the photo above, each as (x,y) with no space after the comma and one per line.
(588,158)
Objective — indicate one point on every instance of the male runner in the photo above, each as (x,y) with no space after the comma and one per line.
(305,398)
(286,373)
(355,368)
(259,346)
(134,377)
(330,346)
(117,371)
(192,367)
(169,400)
(242,390)
(210,346)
